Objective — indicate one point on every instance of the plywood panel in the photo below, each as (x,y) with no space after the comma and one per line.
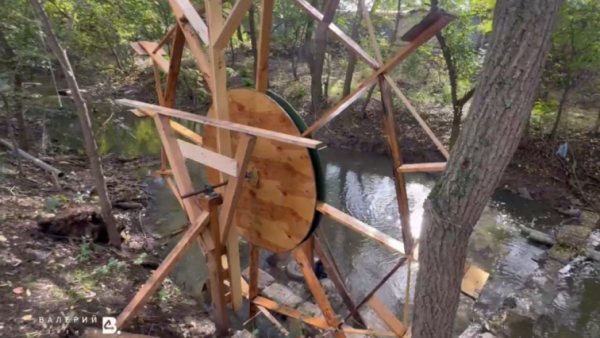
(276,213)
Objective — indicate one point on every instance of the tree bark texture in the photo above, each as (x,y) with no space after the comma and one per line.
(252,31)
(597,126)
(352,56)
(394,33)
(316,84)
(502,103)
(561,108)
(84,119)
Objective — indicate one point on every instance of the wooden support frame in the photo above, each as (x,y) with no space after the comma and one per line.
(264,39)
(209,158)
(194,19)
(233,21)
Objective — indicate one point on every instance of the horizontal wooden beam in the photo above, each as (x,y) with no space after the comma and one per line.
(360,227)
(290,312)
(233,21)
(422,167)
(416,115)
(157,57)
(194,19)
(209,158)
(272,135)
(177,127)
(338,33)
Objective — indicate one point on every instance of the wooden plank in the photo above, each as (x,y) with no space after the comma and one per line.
(309,250)
(164,40)
(473,281)
(232,23)
(195,20)
(181,175)
(174,67)
(422,167)
(253,271)
(290,312)
(275,322)
(209,158)
(138,49)
(272,135)
(317,290)
(338,33)
(387,316)
(163,270)
(363,332)
(416,115)
(264,40)
(235,183)
(157,57)
(193,44)
(215,267)
(360,227)
(177,127)
(340,107)
(372,38)
(157,84)
(336,278)
(401,55)
(389,122)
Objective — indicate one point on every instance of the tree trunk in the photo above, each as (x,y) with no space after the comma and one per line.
(295,53)
(321,33)
(232,53)
(19,112)
(502,102)
(597,126)
(11,135)
(252,32)
(561,108)
(363,110)
(456,118)
(392,37)
(240,36)
(84,119)
(352,56)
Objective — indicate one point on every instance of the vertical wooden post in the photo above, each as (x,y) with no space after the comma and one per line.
(264,39)
(253,288)
(219,94)
(389,123)
(309,250)
(216,273)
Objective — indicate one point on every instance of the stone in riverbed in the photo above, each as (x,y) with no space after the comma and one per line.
(574,236)
(264,279)
(523,192)
(282,295)
(242,334)
(589,219)
(311,310)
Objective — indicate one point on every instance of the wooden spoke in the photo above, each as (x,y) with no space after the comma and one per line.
(360,227)
(193,44)
(194,19)
(264,39)
(340,107)
(253,272)
(163,270)
(174,66)
(164,39)
(233,21)
(234,187)
(407,294)
(416,115)
(422,167)
(338,33)
(387,316)
(272,319)
(272,135)
(209,158)
(317,290)
(372,37)
(157,57)
(157,82)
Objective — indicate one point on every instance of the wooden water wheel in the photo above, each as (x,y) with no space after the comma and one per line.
(258,148)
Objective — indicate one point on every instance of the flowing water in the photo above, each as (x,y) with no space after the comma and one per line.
(361,185)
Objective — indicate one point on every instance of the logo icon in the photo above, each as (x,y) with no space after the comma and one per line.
(109,325)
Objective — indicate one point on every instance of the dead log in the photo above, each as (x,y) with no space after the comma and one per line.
(76,223)
(35,160)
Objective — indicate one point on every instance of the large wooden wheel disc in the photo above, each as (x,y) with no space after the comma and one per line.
(276,208)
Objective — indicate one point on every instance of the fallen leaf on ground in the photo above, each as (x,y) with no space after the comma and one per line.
(18,290)
(27,318)
(3,239)
(28,293)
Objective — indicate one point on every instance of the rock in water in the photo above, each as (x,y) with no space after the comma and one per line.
(242,334)
(264,279)
(590,219)
(282,295)
(574,236)
(523,192)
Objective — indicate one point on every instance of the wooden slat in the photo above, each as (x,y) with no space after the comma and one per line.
(233,21)
(360,227)
(299,141)
(157,57)
(235,183)
(338,33)
(158,85)
(290,312)
(416,115)
(340,107)
(422,167)
(401,55)
(473,281)
(387,316)
(372,38)
(273,320)
(253,272)
(209,158)
(351,331)
(194,19)
(138,49)
(264,39)
(163,270)
(193,44)
(317,290)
